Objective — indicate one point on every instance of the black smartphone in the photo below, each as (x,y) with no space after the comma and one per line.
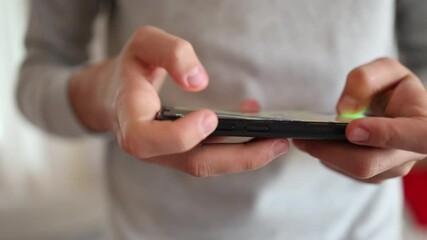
(270,124)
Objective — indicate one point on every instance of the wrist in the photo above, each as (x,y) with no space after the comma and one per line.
(87,91)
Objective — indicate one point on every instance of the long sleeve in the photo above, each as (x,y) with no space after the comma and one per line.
(412,35)
(57,39)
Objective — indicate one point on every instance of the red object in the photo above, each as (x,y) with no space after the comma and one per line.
(415,189)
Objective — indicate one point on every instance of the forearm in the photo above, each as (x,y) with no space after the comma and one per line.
(56,41)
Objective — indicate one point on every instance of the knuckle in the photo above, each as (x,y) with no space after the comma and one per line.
(179,48)
(198,168)
(142,32)
(367,169)
(250,164)
(256,162)
(386,136)
(388,61)
(361,76)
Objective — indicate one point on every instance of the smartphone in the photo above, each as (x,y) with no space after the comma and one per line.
(270,124)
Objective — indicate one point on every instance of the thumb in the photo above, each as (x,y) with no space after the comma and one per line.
(399,133)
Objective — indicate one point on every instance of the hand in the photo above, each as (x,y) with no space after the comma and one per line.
(120,95)
(383,147)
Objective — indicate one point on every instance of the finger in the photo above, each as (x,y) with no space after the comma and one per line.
(398,171)
(366,81)
(356,161)
(144,137)
(216,159)
(335,169)
(400,133)
(153,48)
(250,106)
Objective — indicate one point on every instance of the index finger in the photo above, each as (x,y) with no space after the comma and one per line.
(154,48)
(366,81)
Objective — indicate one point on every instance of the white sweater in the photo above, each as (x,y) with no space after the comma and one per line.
(289,54)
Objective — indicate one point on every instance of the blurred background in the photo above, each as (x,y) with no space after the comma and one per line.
(52,188)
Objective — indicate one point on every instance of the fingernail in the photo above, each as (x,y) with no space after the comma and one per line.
(250,106)
(358,135)
(279,148)
(195,77)
(209,124)
(348,105)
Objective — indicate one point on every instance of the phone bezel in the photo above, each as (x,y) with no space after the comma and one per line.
(255,125)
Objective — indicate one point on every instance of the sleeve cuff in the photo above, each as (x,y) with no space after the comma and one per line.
(58,110)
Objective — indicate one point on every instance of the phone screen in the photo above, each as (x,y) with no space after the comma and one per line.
(286,115)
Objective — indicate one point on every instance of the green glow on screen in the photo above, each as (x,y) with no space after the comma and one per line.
(355,115)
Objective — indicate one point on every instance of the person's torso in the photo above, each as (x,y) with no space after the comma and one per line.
(289,55)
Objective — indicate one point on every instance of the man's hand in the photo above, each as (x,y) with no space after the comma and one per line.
(385,146)
(120,95)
